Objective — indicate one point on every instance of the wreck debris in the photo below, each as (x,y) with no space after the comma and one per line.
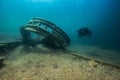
(53,35)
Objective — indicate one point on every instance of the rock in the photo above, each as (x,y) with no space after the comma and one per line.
(55,66)
(92,63)
(39,65)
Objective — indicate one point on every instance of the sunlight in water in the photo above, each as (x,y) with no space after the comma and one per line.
(49,1)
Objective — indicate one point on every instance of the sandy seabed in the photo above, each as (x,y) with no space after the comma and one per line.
(45,64)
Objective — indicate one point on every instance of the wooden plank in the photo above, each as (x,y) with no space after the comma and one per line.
(89,58)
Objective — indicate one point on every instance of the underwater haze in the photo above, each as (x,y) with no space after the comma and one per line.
(102,17)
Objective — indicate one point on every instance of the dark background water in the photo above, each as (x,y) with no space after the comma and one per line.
(102,17)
